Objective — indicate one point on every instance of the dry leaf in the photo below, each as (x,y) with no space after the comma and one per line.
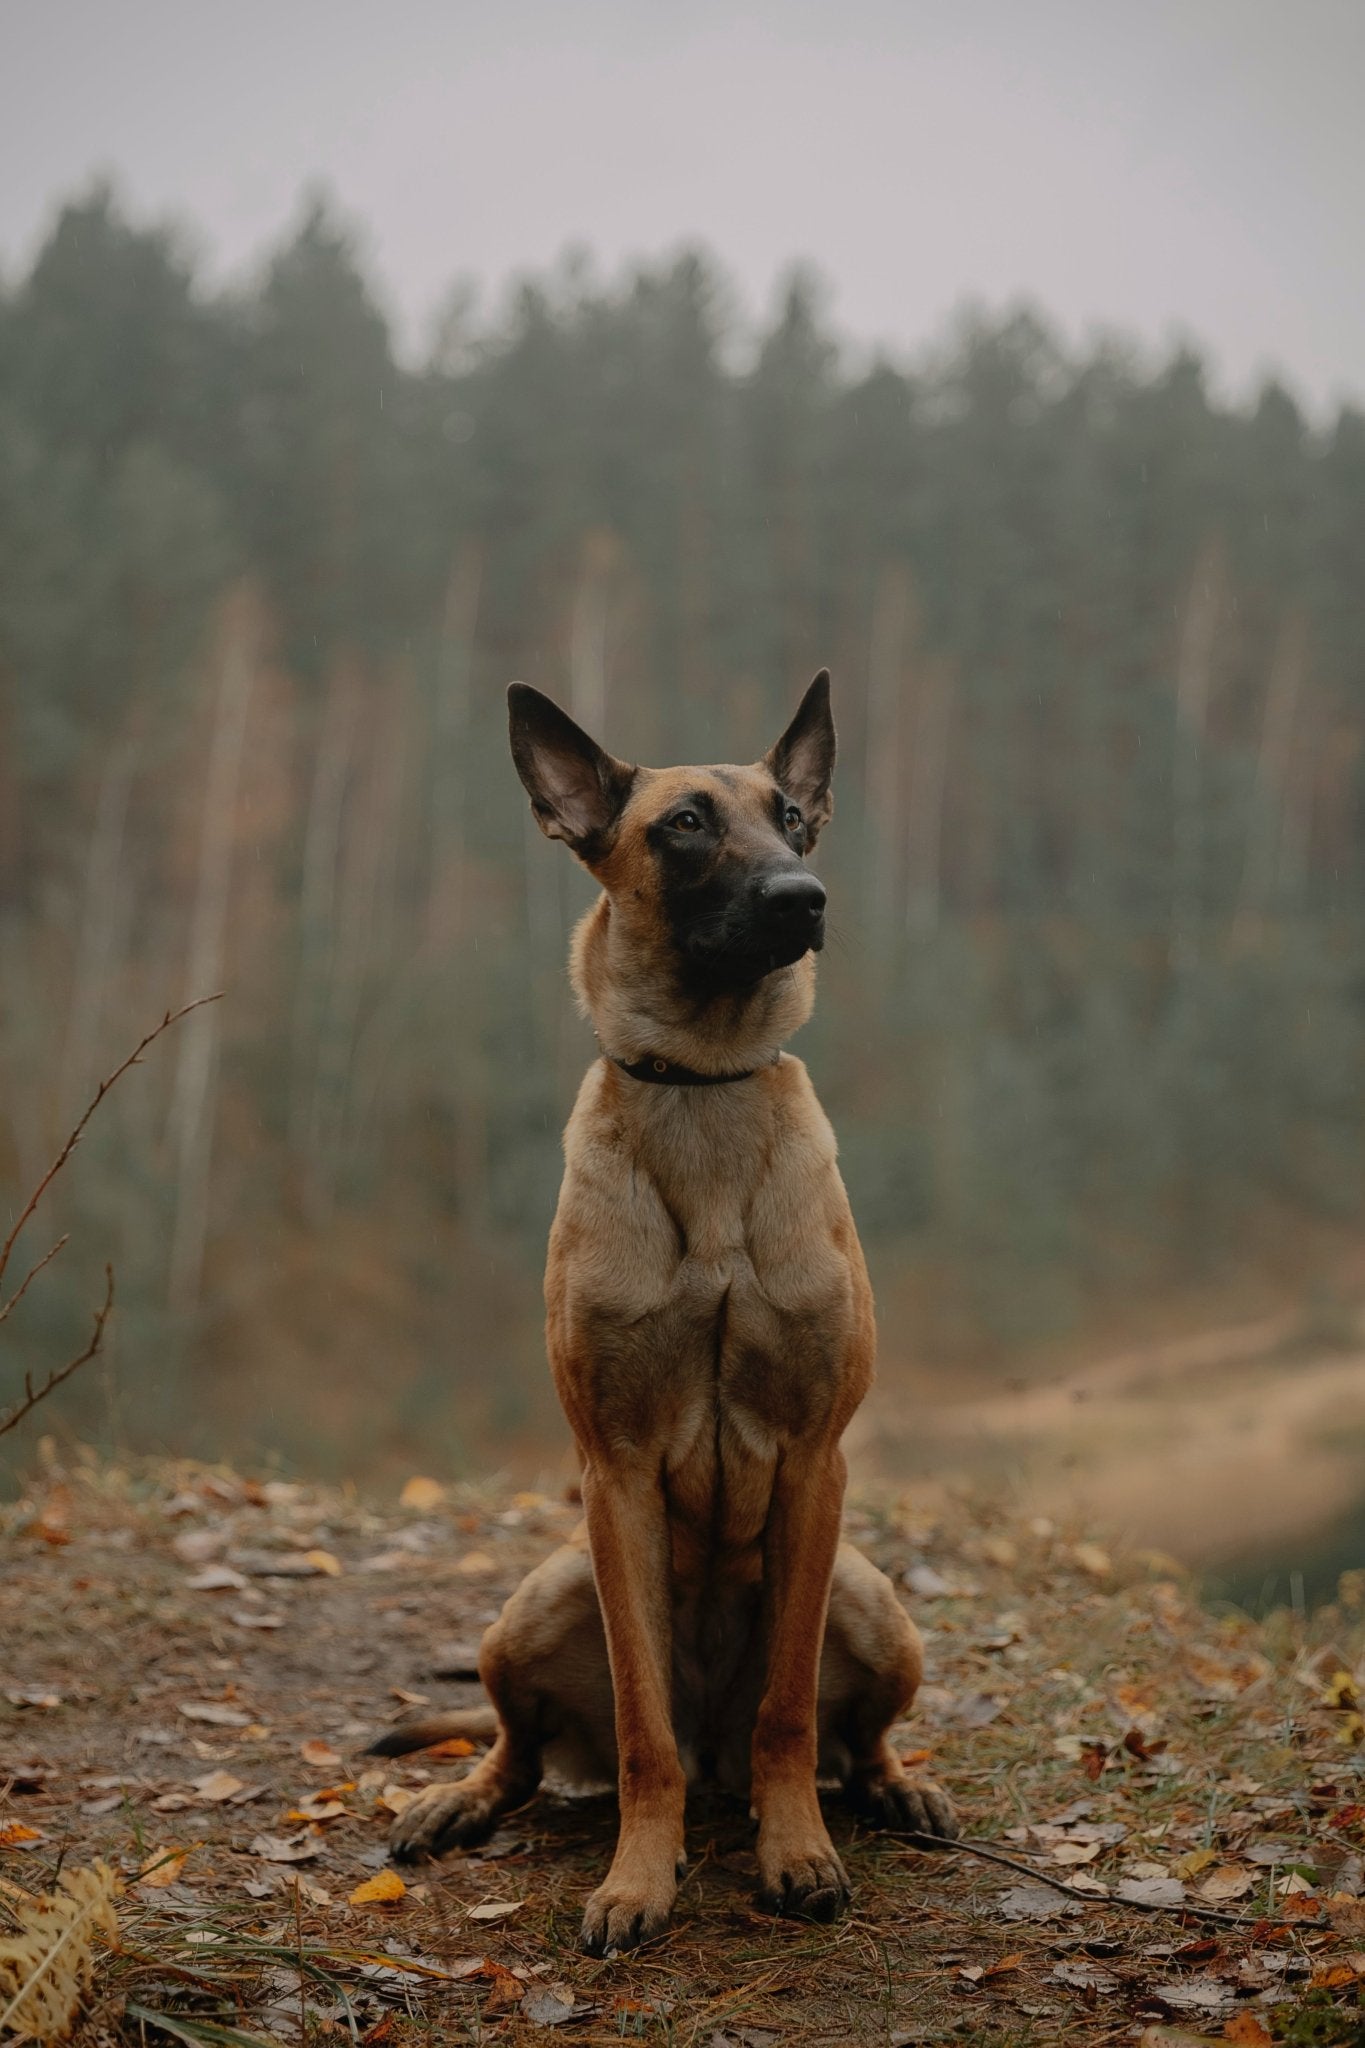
(320,1755)
(217,1578)
(1075,1852)
(1096,1563)
(422,1494)
(162,1867)
(253,1617)
(495,1909)
(215,1712)
(475,1564)
(1229,1881)
(323,1561)
(217,1785)
(316,1808)
(380,1890)
(14,1834)
(393,1798)
(275,1849)
(1191,1865)
(1246,2028)
(454,1745)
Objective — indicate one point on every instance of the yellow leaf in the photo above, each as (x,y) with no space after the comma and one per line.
(454,1745)
(163,1867)
(422,1493)
(475,1563)
(323,1561)
(15,1831)
(321,1755)
(379,1891)
(1191,1865)
(1342,1692)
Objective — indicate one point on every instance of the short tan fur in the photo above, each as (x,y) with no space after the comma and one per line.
(710,1331)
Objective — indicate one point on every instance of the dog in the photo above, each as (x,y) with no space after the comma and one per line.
(710,1332)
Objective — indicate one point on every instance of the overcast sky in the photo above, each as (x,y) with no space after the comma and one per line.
(1161,166)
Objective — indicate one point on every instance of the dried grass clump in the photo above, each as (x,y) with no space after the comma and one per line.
(47,1967)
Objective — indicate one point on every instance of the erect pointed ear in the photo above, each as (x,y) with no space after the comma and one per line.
(802,762)
(577,789)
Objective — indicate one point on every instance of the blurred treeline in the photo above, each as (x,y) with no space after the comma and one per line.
(1093,1016)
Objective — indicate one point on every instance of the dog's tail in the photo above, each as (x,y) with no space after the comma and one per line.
(421,1730)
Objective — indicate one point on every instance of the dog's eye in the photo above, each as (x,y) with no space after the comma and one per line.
(685,821)
(792,818)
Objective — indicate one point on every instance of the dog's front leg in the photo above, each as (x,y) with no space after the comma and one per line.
(798,1869)
(628,1537)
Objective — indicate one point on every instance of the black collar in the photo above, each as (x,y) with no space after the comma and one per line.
(668,1074)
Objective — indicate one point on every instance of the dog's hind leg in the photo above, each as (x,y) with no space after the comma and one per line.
(870,1671)
(544,1666)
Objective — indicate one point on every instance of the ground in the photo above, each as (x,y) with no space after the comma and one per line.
(191,1663)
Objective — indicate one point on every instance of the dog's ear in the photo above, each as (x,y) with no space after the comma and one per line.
(802,762)
(577,789)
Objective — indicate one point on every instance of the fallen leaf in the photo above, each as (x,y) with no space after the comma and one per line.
(495,1909)
(217,1578)
(275,1849)
(253,1617)
(475,1564)
(1094,1562)
(320,1755)
(1191,1865)
(217,1785)
(1075,1852)
(317,1809)
(1229,1881)
(33,1696)
(14,1834)
(380,1890)
(549,2005)
(1035,1902)
(394,1798)
(162,1867)
(454,1745)
(1247,2029)
(1151,1891)
(422,1494)
(215,1712)
(323,1561)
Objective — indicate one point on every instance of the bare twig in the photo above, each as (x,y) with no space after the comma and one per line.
(171,1017)
(11,1417)
(32,1274)
(31,1396)
(988,1854)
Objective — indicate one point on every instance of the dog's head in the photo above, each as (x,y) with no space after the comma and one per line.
(708,862)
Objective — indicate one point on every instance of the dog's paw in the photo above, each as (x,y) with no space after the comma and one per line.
(623,1912)
(803,1879)
(905,1806)
(443,1817)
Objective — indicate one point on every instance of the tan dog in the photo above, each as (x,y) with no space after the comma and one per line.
(710,1332)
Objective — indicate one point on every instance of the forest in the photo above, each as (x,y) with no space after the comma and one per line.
(1092,1022)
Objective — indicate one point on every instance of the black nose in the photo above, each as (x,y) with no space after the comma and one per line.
(795,901)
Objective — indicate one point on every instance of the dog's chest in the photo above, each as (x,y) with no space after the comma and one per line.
(706,1284)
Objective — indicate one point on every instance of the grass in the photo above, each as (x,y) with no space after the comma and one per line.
(1097,1724)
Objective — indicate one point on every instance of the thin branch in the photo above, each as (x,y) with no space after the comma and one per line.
(171,1017)
(31,1396)
(989,1854)
(32,1274)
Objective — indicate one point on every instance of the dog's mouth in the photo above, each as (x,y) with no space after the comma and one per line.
(742,957)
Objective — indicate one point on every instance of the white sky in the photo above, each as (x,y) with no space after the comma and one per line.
(1161,166)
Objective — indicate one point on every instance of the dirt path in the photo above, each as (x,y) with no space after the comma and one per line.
(190,1664)
(1210,1446)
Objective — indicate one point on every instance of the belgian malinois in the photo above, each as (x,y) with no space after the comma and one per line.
(710,1332)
